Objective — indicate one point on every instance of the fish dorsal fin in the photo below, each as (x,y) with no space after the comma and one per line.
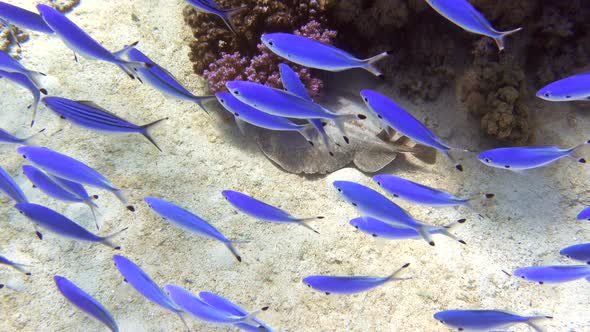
(92,104)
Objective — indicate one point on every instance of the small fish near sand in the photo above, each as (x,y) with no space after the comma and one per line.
(187,220)
(51,188)
(144,284)
(282,103)
(381,229)
(572,88)
(246,113)
(68,168)
(62,225)
(485,320)
(6,137)
(350,284)
(17,266)
(209,6)
(221,303)
(553,273)
(311,53)
(579,252)
(87,114)
(202,310)
(463,14)
(10,188)
(26,82)
(527,157)
(263,211)
(85,302)
(394,116)
(374,204)
(418,193)
(81,42)
(161,79)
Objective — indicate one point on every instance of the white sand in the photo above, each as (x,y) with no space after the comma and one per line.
(532,217)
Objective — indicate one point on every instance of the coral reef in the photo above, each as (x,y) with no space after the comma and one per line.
(494,89)
(263,67)
(7,40)
(63,5)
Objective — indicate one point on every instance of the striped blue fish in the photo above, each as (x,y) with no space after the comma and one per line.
(9,64)
(89,115)
(7,137)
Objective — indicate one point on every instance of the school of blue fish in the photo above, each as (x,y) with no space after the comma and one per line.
(65,178)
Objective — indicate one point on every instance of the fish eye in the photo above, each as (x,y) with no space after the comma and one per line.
(379,116)
(270,43)
(487,160)
(356,227)
(547,94)
(339,190)
(236,92)
(522,277)
(366,99)
(378,183)
(568,97)
(506,166)
(222,101)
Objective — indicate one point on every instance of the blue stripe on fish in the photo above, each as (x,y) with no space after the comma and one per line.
(17,266)
(571,88)
(378,228)
(553,273)
(209,6)
(484,319)
(223,304)
(10,188)
(88,114)
(23,18)
(579,252)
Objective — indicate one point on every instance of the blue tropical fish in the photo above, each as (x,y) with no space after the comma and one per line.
(189,221)
(209,6)
(311,53)
(378,228)
(575,87)
(68,168)
(85,302)
(246,113)
(553,273)
(372,203)
(463,14)
(61,225)
(10,65)
(584,214)
(419,193)
(53,189)
(485,320)
(11,14)
(202,310)
(401,120)
(293,84)
(527,157)
(10,188)
(17,266)
(89,115)
(579,252)
(223,304)
(161,79)
(349,284)
(26,82)
(81,42)
(261,210)
(282,103)
(142,282)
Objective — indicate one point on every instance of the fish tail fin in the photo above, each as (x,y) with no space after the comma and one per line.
(35,104)
(92,207)
(30,138)
(107,240)
(425,234)
(234,251)
(303,223)
(307,131)
(125,49)
(180,315)
(228,16)
(445,230)
(121,196)
(200,99)
(250,318)
(457,165)
(483,197)
(393,276)
(35,76)
(455,224)
(22,268)
(501,35)
(573,153)
(145,132)
(530,322)
(370,63)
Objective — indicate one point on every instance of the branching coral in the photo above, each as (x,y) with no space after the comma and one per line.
(263,67)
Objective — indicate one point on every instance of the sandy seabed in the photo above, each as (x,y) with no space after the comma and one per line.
(531,218)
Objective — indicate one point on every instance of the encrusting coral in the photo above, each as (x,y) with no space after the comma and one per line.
(63,5)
